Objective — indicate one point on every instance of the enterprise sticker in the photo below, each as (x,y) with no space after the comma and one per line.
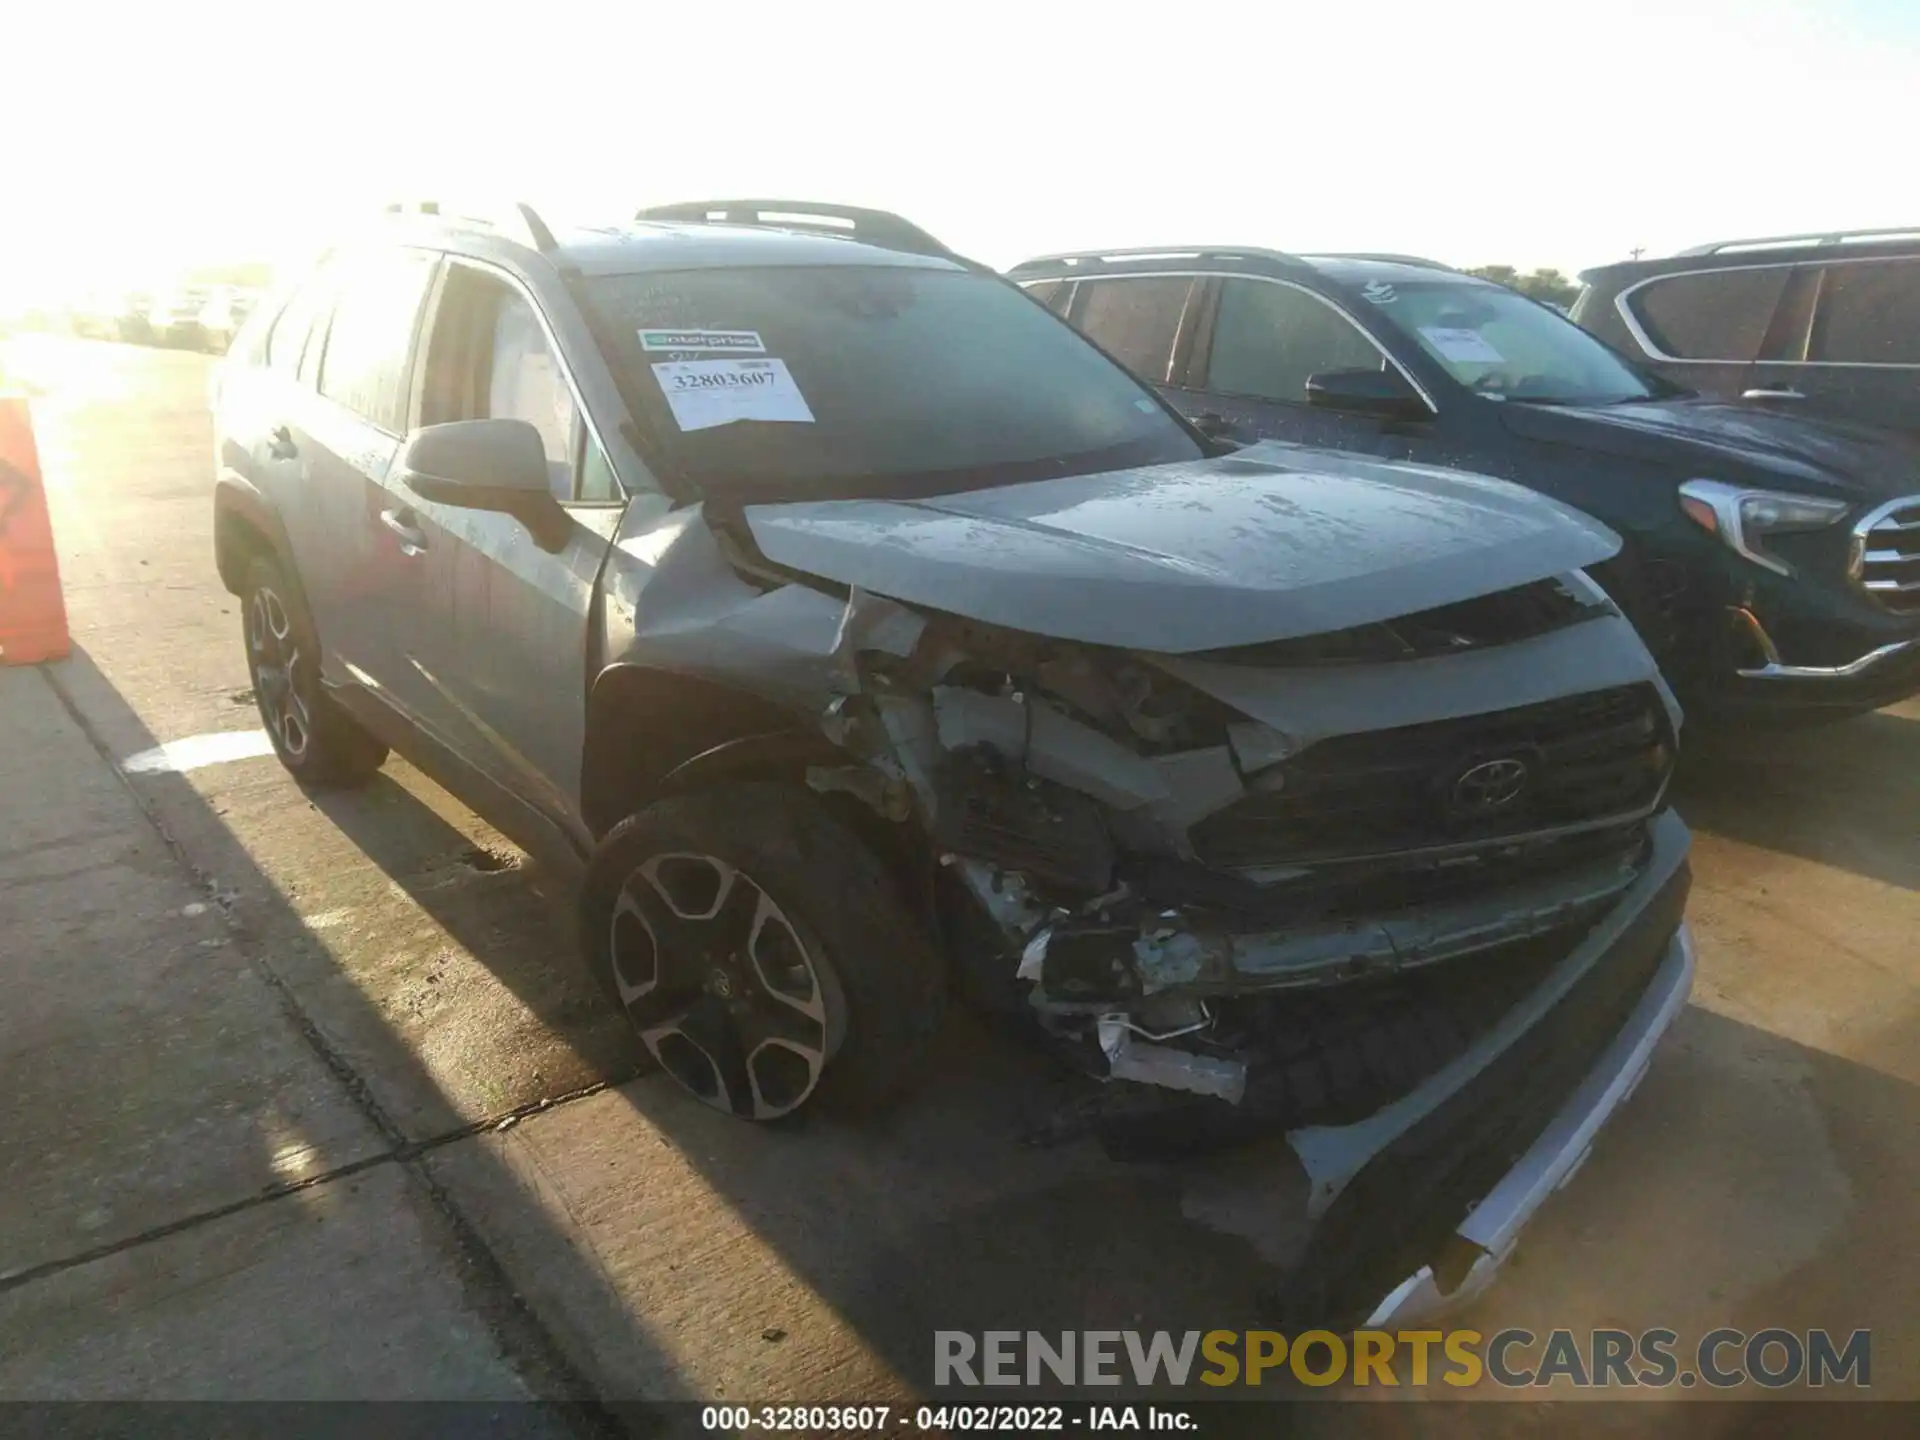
(720,342)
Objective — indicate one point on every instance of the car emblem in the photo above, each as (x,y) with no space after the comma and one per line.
(1487,788)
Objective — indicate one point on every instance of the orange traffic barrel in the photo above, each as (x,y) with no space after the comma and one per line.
(33,614)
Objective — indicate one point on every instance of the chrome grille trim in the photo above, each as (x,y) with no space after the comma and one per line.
(1884,557)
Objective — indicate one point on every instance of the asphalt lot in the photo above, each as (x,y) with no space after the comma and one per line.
(247,1009)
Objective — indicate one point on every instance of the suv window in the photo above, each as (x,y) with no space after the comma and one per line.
(1268,338)
(524,383)
(1869,314)
(1135,320)
(1503,346)
(364,366)
(855,379)
(295,322)
(1711,314)
(489,360)
(1054,294)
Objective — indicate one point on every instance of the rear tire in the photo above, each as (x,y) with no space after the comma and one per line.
(319,743)
(764,955)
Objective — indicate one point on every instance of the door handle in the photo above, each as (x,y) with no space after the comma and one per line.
(413,540)
(1767,394)
(280,444)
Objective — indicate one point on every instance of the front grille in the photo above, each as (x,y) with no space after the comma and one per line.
(1886,555)
(1502,618)
(1578,760)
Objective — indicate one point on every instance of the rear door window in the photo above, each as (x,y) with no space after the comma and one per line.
(370,340)
(1134,320)
(1268,338)
(1868,313)
(1711,314)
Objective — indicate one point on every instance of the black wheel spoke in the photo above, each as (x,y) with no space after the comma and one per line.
(766,1020)
(707,1024)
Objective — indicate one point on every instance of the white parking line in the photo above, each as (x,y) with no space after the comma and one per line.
(196,751)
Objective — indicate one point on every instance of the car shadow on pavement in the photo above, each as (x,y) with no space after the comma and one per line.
(363,1051)
(1845,795)
(496,903)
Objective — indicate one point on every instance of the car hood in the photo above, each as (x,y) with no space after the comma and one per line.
(1272,542)
(1748,443)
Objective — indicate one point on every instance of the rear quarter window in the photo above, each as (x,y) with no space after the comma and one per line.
(1710,314)
(1135,320)
(1054,294)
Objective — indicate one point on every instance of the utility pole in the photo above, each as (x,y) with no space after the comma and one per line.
(1637,251)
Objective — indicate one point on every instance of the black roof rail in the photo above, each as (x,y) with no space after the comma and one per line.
(1094,259)
(517,220)
(1830,237)
(876,227)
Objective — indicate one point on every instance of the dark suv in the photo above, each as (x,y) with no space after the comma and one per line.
(1772,561)
(1821,324)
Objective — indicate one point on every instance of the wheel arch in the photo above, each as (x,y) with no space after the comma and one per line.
(653,732)
(246,526)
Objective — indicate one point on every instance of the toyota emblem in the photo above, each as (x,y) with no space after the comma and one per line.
(1488,788)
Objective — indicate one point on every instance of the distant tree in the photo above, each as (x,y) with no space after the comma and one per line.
(1547,285)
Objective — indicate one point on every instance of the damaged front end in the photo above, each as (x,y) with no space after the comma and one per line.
(1282,796)
(1291,879)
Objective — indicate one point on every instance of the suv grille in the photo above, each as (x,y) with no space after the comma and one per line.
(1580,760)
(1501,618)
(1886,555)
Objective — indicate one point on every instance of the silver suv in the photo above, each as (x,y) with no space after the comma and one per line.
(859,632)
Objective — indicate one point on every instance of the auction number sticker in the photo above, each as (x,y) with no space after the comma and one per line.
(706,393)
(1466,347)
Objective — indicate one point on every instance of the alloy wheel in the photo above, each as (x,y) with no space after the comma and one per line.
(721,986)
(273,650)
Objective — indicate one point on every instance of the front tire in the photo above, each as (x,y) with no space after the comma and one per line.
(318,742)
(762,953)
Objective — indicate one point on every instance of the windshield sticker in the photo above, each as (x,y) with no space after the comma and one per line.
(1379,292)
(706,393)
(720,342)
(1467,347)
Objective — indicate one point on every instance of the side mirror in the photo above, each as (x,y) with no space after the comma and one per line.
(1384,393)
(486,465)
(477,464)
(1218,429)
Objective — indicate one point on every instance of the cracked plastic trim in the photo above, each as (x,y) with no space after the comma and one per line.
(1333,1155)
(1314,704)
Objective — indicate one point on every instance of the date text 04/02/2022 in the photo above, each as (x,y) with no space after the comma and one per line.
(941,1419)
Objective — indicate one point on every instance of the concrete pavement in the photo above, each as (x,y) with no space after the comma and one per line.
(636,1244)
(188,1194)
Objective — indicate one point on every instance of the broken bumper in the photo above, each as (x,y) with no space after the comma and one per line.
(1494,1225)
(1420,1202)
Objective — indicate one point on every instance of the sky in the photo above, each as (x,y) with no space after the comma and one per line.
(1533,134)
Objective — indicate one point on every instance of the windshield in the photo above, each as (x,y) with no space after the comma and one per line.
(1506,347)
(795,381)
